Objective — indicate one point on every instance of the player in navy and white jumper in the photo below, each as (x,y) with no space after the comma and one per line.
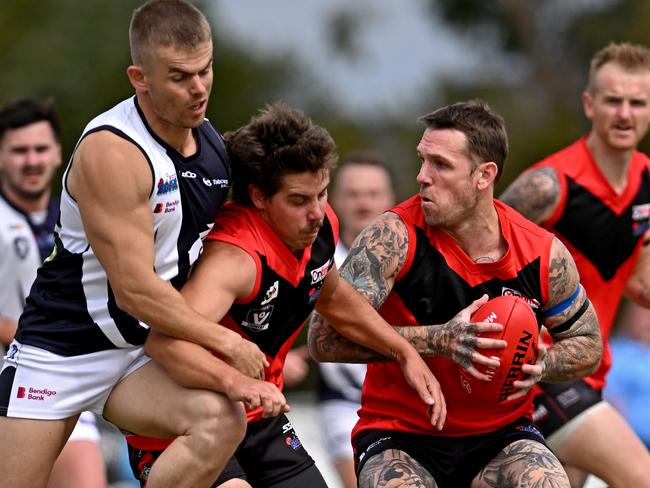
(140,192)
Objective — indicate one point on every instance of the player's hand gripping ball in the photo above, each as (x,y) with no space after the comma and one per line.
(520,331)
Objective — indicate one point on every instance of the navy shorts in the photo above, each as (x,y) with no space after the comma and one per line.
(452,461)
(270,453)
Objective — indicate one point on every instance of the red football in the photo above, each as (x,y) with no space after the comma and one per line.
(520,331)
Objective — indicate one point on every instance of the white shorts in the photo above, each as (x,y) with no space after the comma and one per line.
(337,418)
(38,384)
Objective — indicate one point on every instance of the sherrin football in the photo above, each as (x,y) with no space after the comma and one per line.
(520,331)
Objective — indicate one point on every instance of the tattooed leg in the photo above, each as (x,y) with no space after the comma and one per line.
(522,464)
(394,469)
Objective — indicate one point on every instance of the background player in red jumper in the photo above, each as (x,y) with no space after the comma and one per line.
(269,261)
(424,261)
(595,196)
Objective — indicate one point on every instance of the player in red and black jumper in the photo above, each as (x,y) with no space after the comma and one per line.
(595,196)
(423,262)
(268,262)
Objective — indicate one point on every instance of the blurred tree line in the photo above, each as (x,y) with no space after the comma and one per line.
(536,56)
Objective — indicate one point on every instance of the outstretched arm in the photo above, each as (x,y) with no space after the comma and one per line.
(370,267)
(534,194)
(352,316)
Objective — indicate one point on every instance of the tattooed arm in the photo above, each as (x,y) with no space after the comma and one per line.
(572,322)
(578,346)
(534,194)
(377,256)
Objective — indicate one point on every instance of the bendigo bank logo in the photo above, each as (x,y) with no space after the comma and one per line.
(30,393)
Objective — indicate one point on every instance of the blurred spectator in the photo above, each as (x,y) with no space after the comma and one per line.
(30,154)
(628,386)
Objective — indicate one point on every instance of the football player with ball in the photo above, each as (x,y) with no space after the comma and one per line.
(429,265)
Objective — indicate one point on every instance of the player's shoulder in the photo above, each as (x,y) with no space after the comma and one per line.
(112,156)
(520,224)
(241,226)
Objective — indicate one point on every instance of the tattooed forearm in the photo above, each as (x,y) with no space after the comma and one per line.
(523,463)
(393,468)
(534,194)
(576,352)
(455,339)
(327,345)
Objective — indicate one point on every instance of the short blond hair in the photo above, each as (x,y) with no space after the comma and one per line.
(630,57)
(164,23)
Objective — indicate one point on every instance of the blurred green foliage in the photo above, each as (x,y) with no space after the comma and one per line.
(554,41)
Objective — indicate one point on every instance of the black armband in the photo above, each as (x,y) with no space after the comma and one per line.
(576,316)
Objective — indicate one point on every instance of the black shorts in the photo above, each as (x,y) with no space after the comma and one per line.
(453,461)
(270,453)
(561,402)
